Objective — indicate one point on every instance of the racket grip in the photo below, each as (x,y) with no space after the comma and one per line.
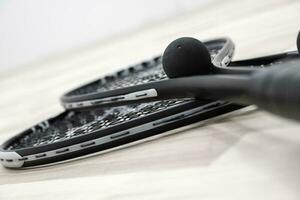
(277,90)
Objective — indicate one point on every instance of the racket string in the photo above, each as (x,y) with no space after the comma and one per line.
(80,123)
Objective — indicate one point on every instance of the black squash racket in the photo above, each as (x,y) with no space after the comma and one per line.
(80,132)
(97,94)
(187,63)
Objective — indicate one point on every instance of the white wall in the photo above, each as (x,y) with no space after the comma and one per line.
(33,29)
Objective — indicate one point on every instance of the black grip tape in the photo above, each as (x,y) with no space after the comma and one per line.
(277,90)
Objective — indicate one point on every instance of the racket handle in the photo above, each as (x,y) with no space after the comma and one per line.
(277,90)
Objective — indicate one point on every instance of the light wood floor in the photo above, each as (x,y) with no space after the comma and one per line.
(245,155)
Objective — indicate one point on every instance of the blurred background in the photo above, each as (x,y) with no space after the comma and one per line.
(33,30)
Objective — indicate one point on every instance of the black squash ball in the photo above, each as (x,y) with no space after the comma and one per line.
(186,57)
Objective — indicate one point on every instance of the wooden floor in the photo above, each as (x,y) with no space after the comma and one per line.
(247,154)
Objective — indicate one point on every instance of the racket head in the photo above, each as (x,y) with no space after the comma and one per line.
(113,90)
(74,134)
